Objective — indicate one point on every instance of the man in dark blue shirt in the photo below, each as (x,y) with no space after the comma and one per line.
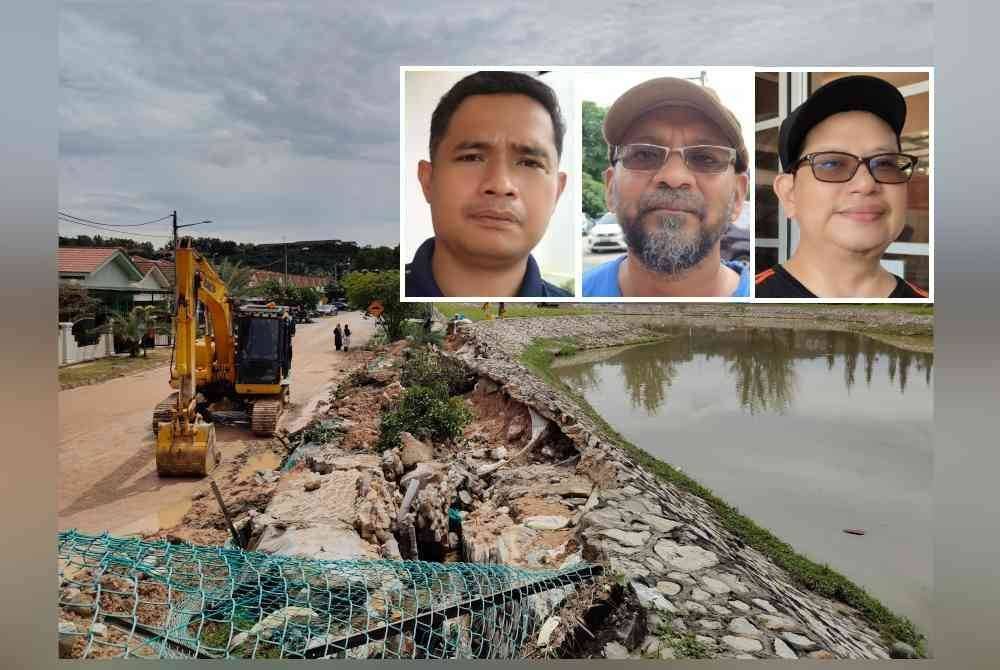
(492,183)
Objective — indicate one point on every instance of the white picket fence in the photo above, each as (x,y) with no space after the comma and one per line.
(71,352)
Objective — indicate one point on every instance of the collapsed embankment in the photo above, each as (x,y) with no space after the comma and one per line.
(535,479)
(745,592)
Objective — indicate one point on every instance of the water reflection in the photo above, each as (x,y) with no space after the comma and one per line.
(806,432)
(761,363)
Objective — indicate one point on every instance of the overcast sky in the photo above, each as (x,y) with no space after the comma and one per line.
(282,118)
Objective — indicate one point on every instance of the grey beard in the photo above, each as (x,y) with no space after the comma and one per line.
(667,249)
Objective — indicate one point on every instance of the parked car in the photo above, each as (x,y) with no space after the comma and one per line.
(586,223)
(606,235)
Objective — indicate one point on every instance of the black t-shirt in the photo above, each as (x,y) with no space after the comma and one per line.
(777,282)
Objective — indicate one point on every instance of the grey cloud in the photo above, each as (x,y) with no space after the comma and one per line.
(284,116)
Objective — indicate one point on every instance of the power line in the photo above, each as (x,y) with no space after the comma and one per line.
(106,230)
(114,225)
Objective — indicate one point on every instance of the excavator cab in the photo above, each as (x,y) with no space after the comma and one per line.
(263,362)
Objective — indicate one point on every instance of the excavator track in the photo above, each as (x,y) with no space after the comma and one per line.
(265,414)
(164,411)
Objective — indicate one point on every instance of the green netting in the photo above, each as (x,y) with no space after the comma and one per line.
(123,597)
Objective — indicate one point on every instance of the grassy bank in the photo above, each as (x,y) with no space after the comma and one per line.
(813,576)
(103,369)
(514,310)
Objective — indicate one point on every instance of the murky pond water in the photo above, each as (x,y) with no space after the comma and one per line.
(806,432)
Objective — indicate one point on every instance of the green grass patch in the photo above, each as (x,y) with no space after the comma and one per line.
(925,310)
(514,310)
(819,578)
(103,369)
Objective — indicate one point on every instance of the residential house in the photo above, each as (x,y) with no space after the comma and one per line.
(112,277)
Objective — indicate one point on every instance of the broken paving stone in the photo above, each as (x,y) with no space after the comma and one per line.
(667,653)
(681,577)
(765,605)
(710,624)
(650,598)
(701,596)
(742,643)
(545,633)
(715,586)
(425,473)
(685,557)
(614,650)
(734,583)
(742,626)
(800,642)
(626,538)
(669,588)
(413,451)
(573,486)
(706,640)
(661,524)
(739,605)
(546,522)
(720,610)
(782,650)
(776,622)
(695,608)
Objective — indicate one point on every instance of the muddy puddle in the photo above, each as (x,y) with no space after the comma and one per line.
(267,460)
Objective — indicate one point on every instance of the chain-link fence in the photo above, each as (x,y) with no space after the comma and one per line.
(123,597)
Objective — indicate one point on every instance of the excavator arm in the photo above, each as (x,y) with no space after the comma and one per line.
(186,444)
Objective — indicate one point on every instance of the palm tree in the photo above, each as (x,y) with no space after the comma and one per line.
(132,326)
(236,277)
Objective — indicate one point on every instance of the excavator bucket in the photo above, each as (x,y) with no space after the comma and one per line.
(186,455)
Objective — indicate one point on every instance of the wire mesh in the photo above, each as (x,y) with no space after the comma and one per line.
(125,597)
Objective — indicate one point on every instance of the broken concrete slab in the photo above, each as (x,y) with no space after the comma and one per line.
(413,451)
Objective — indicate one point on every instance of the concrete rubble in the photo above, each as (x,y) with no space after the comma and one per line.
(534,483)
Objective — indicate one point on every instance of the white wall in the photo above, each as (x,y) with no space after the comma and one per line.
(71,352)
(423,90)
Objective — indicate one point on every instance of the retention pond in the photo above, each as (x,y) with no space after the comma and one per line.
(807,432)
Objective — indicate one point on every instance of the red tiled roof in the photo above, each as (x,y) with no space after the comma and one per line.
(83,259)
(261,276)
(165,266)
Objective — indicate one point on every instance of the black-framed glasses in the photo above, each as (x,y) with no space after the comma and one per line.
(702,158)
(839,166)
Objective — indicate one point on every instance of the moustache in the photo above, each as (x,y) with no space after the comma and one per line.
(672,199)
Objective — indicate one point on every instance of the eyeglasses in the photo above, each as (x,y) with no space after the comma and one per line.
(838,167)
(703,158)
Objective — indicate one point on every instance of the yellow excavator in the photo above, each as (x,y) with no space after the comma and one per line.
(244,356)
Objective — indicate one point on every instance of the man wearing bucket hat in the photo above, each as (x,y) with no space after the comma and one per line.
(677,179)
(844,180)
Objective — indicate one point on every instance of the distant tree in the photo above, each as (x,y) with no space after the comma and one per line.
(364,287)
(593,197)
(235,276)
(288,294)
(595,149)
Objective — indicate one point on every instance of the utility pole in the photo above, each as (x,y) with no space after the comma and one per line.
(284,242)
(173,217)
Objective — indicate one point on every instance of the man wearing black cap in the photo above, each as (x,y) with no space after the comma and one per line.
(677,179)
(844,181)
(492,183)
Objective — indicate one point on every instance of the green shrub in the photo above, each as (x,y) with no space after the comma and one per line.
(425,367)
(427,413)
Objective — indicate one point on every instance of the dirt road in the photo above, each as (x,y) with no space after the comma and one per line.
(107,471)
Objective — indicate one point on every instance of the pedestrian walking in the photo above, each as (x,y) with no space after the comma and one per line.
(338,338)
(347,337)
